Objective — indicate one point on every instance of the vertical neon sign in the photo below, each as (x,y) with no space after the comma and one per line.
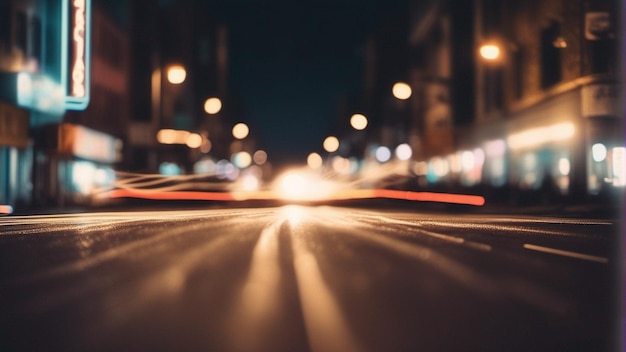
(78,49)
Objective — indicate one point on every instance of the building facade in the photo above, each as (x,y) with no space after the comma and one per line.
(552,94)
(167,34)
(44,71)
(78,156)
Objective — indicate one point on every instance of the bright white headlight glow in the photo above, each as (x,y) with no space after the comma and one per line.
(295,185)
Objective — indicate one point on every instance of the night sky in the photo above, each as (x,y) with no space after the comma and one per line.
(291,61)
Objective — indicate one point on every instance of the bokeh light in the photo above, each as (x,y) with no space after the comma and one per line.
(212,105)
(314,161)
(383,154)
(260,157)
(358,122)
(193,140)
(176,74)
(403,152)
(206,145)
(331,144)
(242,160)
(166,136)
(598,151)
(564,166)
(240,130)
(490,52)
(341,165)
(171,136)
(401,91)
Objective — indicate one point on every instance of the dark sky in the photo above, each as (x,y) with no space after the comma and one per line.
(290,62)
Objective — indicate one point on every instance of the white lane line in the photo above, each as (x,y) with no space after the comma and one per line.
(576,255)
(325,324)
(458,240)
(259,298)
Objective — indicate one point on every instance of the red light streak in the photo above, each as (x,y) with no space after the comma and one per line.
(269,195)
(432,197)
(172,195)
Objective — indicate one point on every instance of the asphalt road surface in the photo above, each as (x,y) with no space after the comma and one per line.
(304,278)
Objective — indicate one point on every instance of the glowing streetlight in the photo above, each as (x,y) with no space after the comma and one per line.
(176,74)
(401,91)
(331,144)
(240,130)
(490,52)
(314,161)
(212,106)
(358,122)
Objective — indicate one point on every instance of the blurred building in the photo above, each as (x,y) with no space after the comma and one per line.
(558,67)
(442,73)
(182,34)
(44,71)
(386,62)
(506,96)
(78,155)
(525,93)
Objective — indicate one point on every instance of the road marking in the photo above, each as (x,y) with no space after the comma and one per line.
(454,239)
(576,255)
(326,326)
(259,298)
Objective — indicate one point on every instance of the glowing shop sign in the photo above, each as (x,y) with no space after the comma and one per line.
(77,39)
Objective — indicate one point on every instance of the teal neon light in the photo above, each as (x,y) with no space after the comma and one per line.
(76,65)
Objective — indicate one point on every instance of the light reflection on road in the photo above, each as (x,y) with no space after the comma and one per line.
(283,259)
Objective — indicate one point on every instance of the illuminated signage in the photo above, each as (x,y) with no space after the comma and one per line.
(86,143)
(77,43)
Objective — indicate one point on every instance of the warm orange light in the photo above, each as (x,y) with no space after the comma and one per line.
(176,74)
(314,161)
(299,187)
(6,209)
(193,140)
(540,135)
(490,52)
(212,106)
(358,122)
(303,186)
(331,144)
(166,136)
(401,91)
(240,131)
(171,136)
